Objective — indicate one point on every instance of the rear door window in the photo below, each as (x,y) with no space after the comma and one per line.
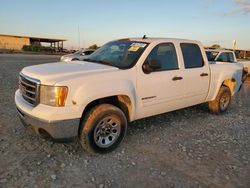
(192,55)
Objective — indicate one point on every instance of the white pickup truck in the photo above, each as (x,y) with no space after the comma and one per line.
(220,56)
(124,80)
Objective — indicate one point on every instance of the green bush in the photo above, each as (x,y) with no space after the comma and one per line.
(31,48)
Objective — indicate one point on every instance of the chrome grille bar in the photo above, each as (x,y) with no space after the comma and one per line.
(33,86)
(29,88)
(25,96)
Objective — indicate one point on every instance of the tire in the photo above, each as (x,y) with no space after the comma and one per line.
(75,59)
(102,129)
(221,102)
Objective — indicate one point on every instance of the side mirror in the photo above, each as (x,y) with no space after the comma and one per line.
(151,65)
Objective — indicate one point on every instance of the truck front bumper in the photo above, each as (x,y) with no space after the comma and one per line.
(65,130)
(56,123)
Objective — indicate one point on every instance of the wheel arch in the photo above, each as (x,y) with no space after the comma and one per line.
(230,83)
(121,101)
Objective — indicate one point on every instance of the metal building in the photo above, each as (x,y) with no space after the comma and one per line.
(14,42)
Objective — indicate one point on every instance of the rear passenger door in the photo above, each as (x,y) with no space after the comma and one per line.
(195,74)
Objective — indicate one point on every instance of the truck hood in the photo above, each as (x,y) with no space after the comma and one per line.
(52,73)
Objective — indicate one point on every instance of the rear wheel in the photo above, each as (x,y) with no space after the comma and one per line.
(221,102)
(102,129)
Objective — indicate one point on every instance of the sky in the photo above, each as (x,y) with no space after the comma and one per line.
(99,21)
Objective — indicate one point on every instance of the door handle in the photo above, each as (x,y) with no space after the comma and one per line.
(204,74)
(177,78)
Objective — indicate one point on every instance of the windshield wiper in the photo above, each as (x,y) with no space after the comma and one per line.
(99,61)
(89,60)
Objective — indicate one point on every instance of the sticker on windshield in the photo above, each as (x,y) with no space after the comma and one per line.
(140,45)
(136,46)
(133,48)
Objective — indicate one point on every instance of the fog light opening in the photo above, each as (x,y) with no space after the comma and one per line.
(44,134)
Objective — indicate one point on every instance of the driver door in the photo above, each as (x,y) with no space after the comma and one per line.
(161,90)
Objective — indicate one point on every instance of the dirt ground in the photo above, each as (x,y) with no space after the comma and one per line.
(186,148)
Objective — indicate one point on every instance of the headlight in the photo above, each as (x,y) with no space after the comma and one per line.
(66,59)
(53,95)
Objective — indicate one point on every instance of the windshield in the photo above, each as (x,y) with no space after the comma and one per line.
(78,53)
(122,54)
(211,55)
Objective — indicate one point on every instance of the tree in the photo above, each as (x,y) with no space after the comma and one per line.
(216,46)
(94,47)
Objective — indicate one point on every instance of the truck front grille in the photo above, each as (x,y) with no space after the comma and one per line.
(29,88)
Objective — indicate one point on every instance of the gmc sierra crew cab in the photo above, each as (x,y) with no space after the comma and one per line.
(124,80)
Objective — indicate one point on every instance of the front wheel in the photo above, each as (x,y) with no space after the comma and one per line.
(102,129)
(221,102)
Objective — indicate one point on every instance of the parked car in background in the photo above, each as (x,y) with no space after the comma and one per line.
(123,81)
(219,56)
(77,56)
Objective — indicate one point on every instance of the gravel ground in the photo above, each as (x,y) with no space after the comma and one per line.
(185,148)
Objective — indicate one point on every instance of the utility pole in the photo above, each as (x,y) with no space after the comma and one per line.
(234,45)
(79,39)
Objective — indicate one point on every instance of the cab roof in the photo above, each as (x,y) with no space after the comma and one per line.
(151,39)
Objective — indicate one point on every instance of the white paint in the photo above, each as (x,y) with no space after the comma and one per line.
(87,82)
